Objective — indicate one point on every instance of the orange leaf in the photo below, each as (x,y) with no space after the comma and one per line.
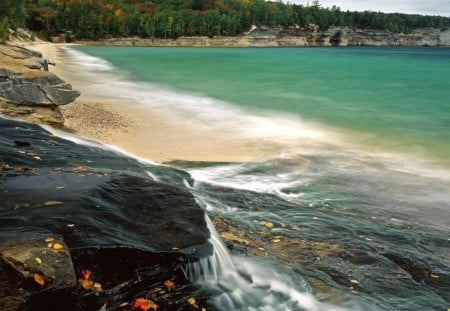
(169,283)
(87,284)
(39,279)
(145,304)
(86,274)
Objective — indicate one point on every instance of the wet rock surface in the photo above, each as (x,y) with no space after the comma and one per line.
(67,209)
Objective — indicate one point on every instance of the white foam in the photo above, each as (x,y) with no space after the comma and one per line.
(262,289)
(92,143)
(281,132)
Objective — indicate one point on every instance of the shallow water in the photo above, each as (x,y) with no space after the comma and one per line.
(357,185)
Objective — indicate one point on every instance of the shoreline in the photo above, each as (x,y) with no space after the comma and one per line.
(277,37)
(140,130)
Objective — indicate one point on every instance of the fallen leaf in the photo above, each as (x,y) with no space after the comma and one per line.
(267,224)
(192,302)
(60,187)
(49,239)
(276,240)
(5,167)
(37,158)
(71,225)
(57,246)
(38,260)
(434,276)
(97,287)
(50,245)
(87,284)
(39,279)
(80,169)
(169,283)
(86,274)
(354,281)
(145,304)
(232,237)
(50,203)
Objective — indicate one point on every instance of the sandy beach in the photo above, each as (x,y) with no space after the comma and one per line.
(139,130)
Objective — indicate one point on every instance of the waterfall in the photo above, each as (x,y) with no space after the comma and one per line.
(249,287)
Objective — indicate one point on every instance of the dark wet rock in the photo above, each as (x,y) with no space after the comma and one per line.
(26,251)
(24,255)
(415,268)
(20,143)
(132,232)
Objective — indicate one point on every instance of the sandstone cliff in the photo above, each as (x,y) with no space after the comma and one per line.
(335,36)
(28,92)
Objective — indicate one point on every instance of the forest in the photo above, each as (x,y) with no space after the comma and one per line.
(96,19)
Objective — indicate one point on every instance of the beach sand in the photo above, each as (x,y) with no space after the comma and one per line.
(141,131)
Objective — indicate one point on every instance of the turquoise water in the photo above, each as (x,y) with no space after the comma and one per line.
(400,95)
(359,202)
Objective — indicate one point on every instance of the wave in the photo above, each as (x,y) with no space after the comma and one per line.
(275,132)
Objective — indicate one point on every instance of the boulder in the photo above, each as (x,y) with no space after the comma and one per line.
(28,93)
(35,91)
(107,215)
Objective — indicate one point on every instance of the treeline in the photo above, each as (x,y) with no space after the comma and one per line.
(95,19)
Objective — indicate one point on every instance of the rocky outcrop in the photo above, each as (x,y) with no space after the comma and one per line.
(60,218)
(28,92)
(266,37)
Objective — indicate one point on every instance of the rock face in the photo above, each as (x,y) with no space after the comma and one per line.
(25,91)
(67,208)
(266,37)
(38,91)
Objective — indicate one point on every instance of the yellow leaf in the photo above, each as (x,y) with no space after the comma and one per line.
(354,281)
(267,224)
(169,283)
(38,260)
(276,240)
(434,276)
(36,158)
(57,246)
(39,279)
(49,239)
(192,302)
(50,203)
(97,287)
(50,245)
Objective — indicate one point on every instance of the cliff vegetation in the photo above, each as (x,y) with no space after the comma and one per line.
(99,19)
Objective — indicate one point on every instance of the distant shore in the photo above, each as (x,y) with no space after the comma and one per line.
(136,128)
(277,37)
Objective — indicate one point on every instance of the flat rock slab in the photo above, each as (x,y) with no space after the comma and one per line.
(104,211)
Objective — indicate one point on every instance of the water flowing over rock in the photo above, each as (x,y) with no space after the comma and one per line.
(28,92)
(68,208)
